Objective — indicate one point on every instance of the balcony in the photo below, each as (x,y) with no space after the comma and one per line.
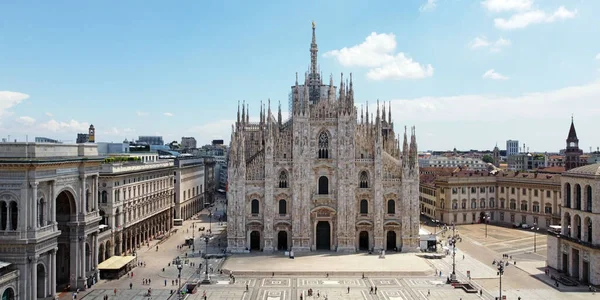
(578,241)
(322,199)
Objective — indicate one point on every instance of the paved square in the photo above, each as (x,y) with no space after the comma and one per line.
(276,282)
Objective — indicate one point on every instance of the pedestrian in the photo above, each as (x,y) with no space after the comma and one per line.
(363,275)
(348,290)
(115,291)
(149,281)
(130,285)
(165,282)
(246,287)
(371,291)
(428,293)
(375,289)
(463,257)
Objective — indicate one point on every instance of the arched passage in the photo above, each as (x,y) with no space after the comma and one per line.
(255,240)
(66,211)
(41,281)
(282,238)
(363,241)
(9,294)
(101,253)
(323,236)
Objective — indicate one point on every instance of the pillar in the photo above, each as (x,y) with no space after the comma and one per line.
(33,272)
(34,213)
(83,202)
(95,255)
(52,272)
(52,203)
(82,258)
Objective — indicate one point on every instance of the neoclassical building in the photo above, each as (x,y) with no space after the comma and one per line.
(576,251)
(326,179)
(49,215)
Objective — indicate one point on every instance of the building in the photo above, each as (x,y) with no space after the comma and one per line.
(512,147)
(527,161)
(324,179)
(576,250)
(453,161)
(83,138)
(50,216)
(191,189)
(136,199)
(151,140)
(572,152)
(188,143)
(9,284)
(105,148)
(506,197)
(39,139)
(92,134)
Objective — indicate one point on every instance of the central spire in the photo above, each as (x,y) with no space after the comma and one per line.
(313,51)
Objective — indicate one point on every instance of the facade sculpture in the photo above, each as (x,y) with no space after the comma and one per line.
(323,180)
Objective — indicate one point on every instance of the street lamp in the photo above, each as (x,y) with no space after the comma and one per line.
(486,219)
(452,242)
(206,277)
(535,228)
(500,265)
(209,220)
(179,267)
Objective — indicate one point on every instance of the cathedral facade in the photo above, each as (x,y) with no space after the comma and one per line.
(326,179)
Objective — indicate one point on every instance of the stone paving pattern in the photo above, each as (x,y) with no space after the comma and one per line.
(526,279)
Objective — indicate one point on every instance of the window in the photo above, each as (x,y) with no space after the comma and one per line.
(454,191)
(535,220)
(464,190)
(473,190)
(364,206)
(523,205)
(283,180)
(482,204)
(548,209)
(578,196)
(501,203)
(512,190)
(588,197)
(524,191)
(512,218)
(282,207)
(482,189)
(492,204)
(454,205)
(473,204)
(464,204)
(323,185)
(513,204)
(492,189)
(364,180)
(501,216)
(14,215)
(501,189)
(254,207)
(41,208)
(524,219)
(323,145)
(535,207)
(104,197)
(454,218)
(464,217)
(535,193)
(548,194)
(391,207)
(568,195)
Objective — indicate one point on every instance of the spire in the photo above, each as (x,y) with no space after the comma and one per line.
(279,114)
(238,114)
(342,90)
(377,120)
(383,112)
(405,149)
(572,134)
(269,112)
(244,111)
(413,148)
(390,112)
(248,113)
(313,51)
(367,113)
(361,114)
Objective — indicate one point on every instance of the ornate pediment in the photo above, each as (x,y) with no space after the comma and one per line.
(323,212)
(254,195)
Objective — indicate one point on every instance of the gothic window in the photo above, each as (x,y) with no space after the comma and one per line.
(14,215)
(577,196)
(323,185)
(41,208)
(104,197)
(283,180)
(391,207)
(364,206)
(282,207)
(364,180)
(588,197)
(323,145)
(254,207)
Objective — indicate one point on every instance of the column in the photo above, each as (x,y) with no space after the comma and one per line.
(33,284)
(95,256)
(73,262)
(52,273)
(83,202)
(34,213)
(52,202)
(95,192)
(82,258)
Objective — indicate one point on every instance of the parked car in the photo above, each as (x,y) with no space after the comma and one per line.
(524,226)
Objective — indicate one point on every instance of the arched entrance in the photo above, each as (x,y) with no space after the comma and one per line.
(391,240)
(9,294)
(65,212)
(363,241)
(101,253)
(282,240)
(255,240)
(41,281)
(323,235)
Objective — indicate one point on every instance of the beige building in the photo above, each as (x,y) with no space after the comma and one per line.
(506,197)
(576,250)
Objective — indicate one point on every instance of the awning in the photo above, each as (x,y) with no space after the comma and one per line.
(115,262)
(4,264)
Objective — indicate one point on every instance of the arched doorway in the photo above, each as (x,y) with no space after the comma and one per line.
(323,235)
(9,294)
(41,281)
(255,240)
(391,240)
(282,240)
(107,249)
(101,253)
(363,241)
(66,210)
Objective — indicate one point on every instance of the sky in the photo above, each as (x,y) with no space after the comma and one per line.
(469,74)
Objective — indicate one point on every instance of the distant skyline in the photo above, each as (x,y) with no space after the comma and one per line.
(467,74)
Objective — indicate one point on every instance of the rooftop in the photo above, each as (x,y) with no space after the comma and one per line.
(591,170)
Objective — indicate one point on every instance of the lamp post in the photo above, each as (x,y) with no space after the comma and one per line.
(452,241)
(500,265)
(210,220)
(486,219)
(193,237)
(206,277)
(535,228)
(179,267)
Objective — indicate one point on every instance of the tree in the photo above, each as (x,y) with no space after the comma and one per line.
(488,159)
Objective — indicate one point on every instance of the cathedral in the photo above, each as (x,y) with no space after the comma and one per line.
(326,179)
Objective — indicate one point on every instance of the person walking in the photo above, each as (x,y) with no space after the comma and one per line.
(348,290)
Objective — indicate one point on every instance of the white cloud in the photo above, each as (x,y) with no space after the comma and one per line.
(25,120)
(479,42)
(494,118)
(168,114)
(49,114)
(598,56)
(9,99)
(71,127)
(524,19)
(491,74)
(377,53)
(507,5)
(428,6)
(141,113)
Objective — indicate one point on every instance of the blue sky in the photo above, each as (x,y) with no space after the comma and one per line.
(467,74)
